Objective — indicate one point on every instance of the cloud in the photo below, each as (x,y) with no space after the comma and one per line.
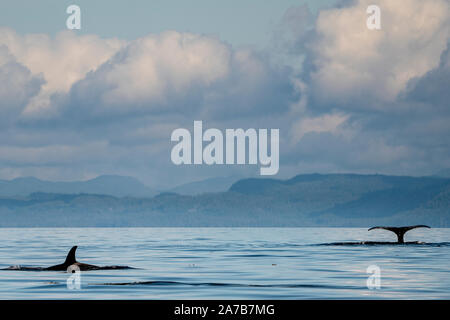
(325,123)
(92,80)
(152,72)
(61,60)
(374,101)
(357,67)
(432,88)
(345,98)
(109,107)
(18,87)
(183,73)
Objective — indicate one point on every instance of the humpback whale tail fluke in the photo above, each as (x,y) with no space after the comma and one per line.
(400,231)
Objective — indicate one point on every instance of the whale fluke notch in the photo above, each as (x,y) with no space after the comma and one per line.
(400,231)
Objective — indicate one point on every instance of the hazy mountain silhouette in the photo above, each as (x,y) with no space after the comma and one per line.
(445,173)
(304,200)
(219,184)
(114,185)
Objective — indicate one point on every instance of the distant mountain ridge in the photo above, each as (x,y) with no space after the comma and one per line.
(218,184)
(113,185)
(445,173)
(304,200)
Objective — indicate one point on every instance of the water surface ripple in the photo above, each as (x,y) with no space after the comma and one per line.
(226,263)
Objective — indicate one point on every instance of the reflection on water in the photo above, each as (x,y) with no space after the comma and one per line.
(226,263)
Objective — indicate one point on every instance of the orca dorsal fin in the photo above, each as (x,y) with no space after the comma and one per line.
(70,259)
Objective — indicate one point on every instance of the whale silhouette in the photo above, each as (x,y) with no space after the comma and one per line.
(70,265)
(72,261)
(400,231)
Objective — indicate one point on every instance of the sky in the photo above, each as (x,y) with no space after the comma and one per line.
(240,22)
(75,104)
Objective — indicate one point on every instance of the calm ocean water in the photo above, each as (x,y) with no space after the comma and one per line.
(226,263)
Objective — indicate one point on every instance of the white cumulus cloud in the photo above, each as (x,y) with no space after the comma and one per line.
(61,60)
(353,62)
